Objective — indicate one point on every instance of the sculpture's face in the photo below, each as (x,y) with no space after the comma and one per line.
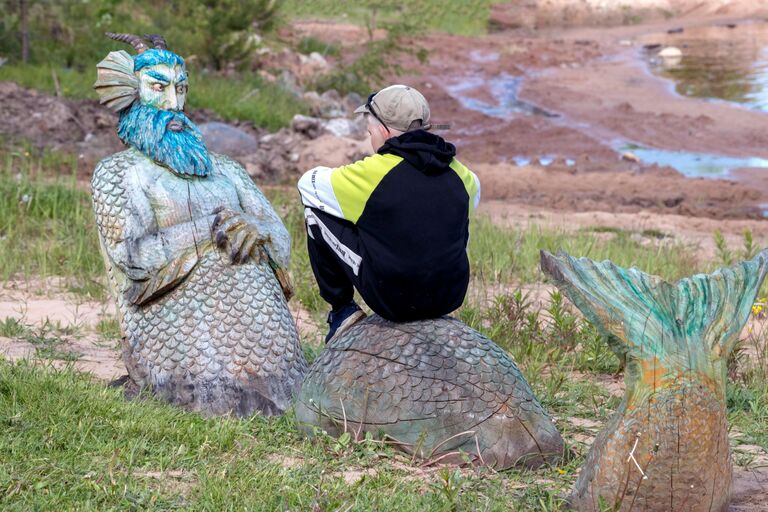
(163,86)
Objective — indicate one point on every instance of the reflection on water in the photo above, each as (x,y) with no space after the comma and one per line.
(694,164)
(503,88)
(718,62)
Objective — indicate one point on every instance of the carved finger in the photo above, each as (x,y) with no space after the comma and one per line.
(260,253)
(222,214)
(231,224)
(236,244)
(247,248)
(220,238)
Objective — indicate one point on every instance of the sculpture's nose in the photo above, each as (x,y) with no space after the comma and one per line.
(171,100)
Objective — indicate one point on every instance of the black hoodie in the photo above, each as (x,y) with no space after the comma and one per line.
(415,227)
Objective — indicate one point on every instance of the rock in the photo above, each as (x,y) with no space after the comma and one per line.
(287,80)
(630,157)
(671,52)
(312,127)
(625,42)
(327,105)
(331,151)
(352,101)
(285,155)
(343,127)
(228,140)
(312,64)
(318,60)
(507,16)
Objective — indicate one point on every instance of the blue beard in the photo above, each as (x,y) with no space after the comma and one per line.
(145,128)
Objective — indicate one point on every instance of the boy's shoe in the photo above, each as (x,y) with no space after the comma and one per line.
(342,319)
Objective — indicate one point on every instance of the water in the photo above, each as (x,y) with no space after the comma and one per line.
(718,62)
(694,164)
(483,57)
(504,89)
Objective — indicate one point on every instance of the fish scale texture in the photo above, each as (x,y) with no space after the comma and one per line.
(223,341)
(666,448)
(687,421)
(435,387)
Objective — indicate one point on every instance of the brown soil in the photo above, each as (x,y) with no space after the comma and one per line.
(600,91)
(560,13)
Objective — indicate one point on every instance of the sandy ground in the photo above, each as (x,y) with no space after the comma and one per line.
(49,311)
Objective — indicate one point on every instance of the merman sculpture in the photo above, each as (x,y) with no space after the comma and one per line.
(666,448)
(196,255)
(436,388)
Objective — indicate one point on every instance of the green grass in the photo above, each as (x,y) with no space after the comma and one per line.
(46,222)
(71,443)
(310,44)
(108,328)
(242,98)
(73,83)
(499,254)
(465,17)
(245,98)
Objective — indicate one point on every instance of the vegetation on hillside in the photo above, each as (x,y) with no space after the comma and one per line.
(53,45)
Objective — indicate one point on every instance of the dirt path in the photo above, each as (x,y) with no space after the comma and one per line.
(57,328)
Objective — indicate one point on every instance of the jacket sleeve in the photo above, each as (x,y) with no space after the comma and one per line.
(344,191)
(471,183)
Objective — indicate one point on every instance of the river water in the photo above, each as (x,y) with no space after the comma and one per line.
(723,62)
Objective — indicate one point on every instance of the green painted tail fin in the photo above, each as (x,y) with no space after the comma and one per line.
(685,326)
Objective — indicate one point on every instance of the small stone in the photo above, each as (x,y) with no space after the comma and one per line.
(227,139)
(671,52)
(630,157)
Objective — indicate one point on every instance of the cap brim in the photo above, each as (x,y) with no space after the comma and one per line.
(362,109)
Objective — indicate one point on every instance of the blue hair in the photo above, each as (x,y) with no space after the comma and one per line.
(154,57)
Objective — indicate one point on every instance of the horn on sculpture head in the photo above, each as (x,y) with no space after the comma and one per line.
(157,41)
(138,43)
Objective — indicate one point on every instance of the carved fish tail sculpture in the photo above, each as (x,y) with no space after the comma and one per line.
(435,387)
(666,448)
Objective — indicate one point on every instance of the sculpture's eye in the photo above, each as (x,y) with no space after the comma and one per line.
(181,88)
(158,87)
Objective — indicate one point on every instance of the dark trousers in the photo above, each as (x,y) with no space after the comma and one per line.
(338,262)
(335,274)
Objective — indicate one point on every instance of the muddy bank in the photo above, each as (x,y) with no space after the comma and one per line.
(585,98)
(559,187)
(88,130)
(567,120)
(571,13)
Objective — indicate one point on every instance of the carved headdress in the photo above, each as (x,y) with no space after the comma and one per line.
(116,82)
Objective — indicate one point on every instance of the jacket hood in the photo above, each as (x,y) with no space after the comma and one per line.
(427,152)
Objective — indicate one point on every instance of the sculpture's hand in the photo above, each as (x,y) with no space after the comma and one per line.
(231,230)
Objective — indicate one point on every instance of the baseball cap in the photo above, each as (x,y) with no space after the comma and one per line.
(397,106)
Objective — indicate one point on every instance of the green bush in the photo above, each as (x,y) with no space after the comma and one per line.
(70,33)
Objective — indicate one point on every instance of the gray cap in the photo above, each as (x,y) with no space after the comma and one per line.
(398,106)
